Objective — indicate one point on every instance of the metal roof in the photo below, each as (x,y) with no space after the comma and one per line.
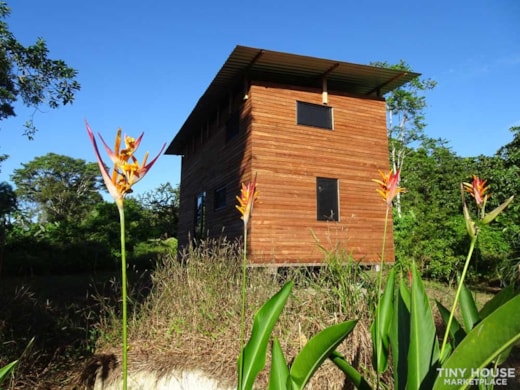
(292,69)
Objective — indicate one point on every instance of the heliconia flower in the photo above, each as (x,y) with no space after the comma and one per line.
(127,171)
(246,200)
(478,190)
(389,186)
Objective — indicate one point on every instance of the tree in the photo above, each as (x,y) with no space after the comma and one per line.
(7,207)
(62,188)
(405,110)
(431,231)
(163,206)
(27,74)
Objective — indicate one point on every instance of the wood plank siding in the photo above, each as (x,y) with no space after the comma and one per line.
(288,158)
(212,161)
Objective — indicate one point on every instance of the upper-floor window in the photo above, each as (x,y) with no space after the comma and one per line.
(327,202)
(315,115)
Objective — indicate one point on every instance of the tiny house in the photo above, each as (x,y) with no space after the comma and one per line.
(314,133)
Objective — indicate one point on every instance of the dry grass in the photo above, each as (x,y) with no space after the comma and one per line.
(186,315)
(190,318)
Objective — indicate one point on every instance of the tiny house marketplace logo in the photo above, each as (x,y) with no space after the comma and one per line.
(476,376)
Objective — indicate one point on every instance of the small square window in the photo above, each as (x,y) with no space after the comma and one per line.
(314,115)
(327,201)
(219,198)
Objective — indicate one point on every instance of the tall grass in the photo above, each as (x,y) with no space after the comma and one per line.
(190,316)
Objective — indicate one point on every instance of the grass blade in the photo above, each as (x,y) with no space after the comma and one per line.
(4,371)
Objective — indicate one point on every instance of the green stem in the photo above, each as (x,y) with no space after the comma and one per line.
(124,295)
(378,341)
(457,294)
(243,312)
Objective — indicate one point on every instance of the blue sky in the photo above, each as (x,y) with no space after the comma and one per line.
(143,65)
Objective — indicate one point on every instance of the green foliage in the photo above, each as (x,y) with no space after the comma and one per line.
(489,334)
(29,76)
(162,205)
(315,351)
(431,231)
(87,242)
(6,370)
(252,357)
(146,253)
(61,188)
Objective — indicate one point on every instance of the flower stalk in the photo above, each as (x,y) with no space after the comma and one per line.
(246,201)
(388,189)
(126,172)
(479,192)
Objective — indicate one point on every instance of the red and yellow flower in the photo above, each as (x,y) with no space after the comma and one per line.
(478,190)
(127,171)
(246,200)
(389,186)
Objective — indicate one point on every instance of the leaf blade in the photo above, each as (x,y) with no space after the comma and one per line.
(493,335)
(253,356)
(317,349)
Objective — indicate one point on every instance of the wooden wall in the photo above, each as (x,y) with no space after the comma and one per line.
(288,158)
(210,161)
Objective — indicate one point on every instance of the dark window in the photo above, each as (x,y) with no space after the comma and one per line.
(327,199)
(233,125)
(315,115)
(200,216)
(219,198)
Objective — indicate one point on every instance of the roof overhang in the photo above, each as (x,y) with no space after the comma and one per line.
(290,69)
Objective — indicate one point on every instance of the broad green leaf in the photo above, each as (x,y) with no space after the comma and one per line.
(493,335)
(424,348)
(357,380)
(317,349)
(4,371)
(252,358)
(457,333)
(383,320)
(279,370)
(468,308)
(400,336)
(499,299)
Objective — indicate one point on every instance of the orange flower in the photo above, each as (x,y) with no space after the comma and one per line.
(389,186)
(127,171)
(478,190)
(246,200)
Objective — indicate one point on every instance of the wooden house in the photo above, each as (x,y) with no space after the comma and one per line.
(314,132)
